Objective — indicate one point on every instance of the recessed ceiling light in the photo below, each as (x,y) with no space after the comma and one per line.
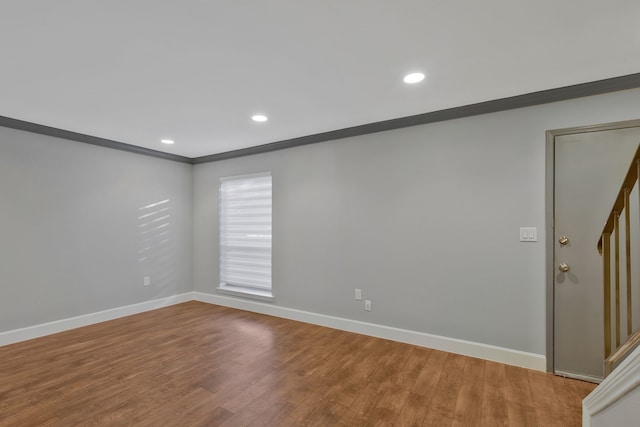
(167,141)
(259,118)
(414,78)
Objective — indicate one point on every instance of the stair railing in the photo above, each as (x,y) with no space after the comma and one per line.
(613,355)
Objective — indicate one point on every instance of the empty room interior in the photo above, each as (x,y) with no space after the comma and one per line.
(328,213)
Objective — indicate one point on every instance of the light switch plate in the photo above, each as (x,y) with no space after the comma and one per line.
(528,234)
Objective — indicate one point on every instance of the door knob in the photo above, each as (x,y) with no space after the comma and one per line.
(564,267)
(563,240)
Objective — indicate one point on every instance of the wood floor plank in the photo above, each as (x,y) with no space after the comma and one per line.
(545,406)
(360,411)
(519,398)
(203,365)
(494,396)
(468,408)
(326,414)
(390,403)
(569,407)
(445,395)
(408,374)
(276,415)
(414,410)
(430,375)
(343,391)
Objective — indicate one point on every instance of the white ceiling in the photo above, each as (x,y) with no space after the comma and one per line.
(137,71)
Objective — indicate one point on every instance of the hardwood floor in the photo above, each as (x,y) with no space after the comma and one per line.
(196,364)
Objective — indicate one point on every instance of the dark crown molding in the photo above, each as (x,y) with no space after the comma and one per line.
(87,139)
(631,81)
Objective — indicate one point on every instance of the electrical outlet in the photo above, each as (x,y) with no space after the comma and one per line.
(359,294)
(367,305)
(147,281)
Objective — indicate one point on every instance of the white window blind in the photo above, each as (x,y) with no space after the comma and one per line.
(245,231)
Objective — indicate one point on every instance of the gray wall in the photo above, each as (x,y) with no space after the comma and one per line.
(424,219)
(72,240)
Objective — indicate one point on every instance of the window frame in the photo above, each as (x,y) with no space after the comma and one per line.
(248,291)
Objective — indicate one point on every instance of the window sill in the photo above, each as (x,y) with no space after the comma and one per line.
(241,291)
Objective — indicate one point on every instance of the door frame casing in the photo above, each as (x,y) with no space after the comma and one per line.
(550,218)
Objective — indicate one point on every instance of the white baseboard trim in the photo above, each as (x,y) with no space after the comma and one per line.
(36,331)
(623,379)
(452,345)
